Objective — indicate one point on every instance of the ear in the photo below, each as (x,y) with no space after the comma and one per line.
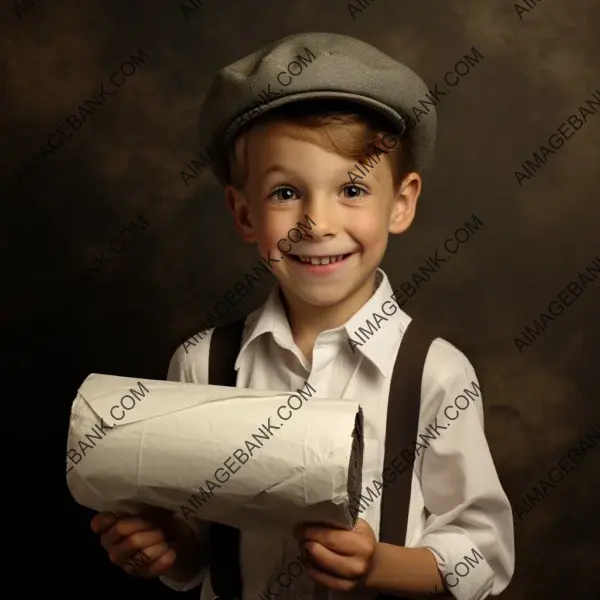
(239,207)
(405,203)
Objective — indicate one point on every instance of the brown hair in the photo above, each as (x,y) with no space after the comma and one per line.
(348,129)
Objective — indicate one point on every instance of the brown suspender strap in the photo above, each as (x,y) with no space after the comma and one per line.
(401,432)
(225,570)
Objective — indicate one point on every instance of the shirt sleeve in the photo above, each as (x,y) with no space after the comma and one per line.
(470,524)
(178,367)
(200,528)
(189,364)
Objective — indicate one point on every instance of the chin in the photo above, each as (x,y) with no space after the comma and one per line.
(324,300)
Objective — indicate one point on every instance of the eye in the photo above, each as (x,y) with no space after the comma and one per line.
(355,191)
(282,194)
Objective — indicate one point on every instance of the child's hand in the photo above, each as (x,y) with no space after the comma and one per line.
(343,558)
(136,543)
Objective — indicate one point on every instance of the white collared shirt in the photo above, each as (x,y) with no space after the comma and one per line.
(458,508)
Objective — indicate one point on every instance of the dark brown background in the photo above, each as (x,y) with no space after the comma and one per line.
(62,322)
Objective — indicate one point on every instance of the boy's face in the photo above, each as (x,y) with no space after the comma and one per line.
(290,180)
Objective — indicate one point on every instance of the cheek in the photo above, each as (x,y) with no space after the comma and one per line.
(370,230)
(270,229)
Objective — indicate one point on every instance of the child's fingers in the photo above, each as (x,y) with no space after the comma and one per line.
(129,546)
(161,565)
(330,581)
(339,540)
(124,528)
(102,521)
(337,565)
(151,561)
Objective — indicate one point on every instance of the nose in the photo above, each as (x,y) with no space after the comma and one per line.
(323,213)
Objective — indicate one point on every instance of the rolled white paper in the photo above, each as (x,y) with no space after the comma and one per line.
(254,459)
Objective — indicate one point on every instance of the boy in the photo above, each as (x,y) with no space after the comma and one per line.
(294,155)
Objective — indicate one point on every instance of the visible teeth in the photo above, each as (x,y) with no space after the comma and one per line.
(321,261)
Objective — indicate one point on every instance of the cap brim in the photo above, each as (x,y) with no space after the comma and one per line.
(398,120)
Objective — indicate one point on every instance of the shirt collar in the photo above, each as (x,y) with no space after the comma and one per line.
(372,331)
(375,329)
(269,318)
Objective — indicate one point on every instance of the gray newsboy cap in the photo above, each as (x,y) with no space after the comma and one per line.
(313,66)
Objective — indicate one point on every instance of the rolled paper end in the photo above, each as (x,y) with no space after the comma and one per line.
(355,466)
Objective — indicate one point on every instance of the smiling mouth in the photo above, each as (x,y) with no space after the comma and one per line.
(319,260)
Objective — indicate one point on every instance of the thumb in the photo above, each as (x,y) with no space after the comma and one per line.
(360,524)
(102,522)
(363,527)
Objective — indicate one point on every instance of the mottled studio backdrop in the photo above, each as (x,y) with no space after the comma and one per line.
(117,241)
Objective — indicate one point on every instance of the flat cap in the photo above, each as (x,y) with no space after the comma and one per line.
(314,65)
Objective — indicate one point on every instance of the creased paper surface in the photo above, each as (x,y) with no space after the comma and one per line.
(253,459)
